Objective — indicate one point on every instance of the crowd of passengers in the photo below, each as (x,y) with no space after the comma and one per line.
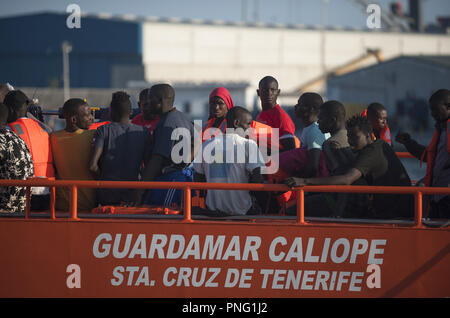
(332,150)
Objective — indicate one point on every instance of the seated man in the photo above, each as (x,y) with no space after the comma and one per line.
(145,118)
(273,115)
(168,161)
(120,149)
(38,142)
(437,154)
(377,115)
(307,109)
(15,163)
(71,148)
(231,158)
(378,165)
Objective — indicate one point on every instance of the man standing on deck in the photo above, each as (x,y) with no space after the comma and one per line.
(437,154)
(71,148)
(162,166)
(120,150)
(146,118)
(34,133)
(273,115)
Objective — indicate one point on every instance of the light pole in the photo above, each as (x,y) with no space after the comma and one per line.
(323,44)
(66,48)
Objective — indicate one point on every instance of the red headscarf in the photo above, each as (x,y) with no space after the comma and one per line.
(223,93)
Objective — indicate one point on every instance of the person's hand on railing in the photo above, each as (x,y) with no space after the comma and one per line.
(402,137)
(295,182)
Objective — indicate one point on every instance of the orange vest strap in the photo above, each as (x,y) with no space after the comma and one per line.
(94,126)
(431,151)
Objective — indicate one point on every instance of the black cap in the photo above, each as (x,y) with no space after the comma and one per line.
(15,99)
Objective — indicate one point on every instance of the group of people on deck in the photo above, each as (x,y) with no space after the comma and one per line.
(332,150)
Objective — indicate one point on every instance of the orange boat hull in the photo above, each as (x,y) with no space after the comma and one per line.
(162,258)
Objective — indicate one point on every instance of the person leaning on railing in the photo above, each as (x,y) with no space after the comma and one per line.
(377,164)
(437,154)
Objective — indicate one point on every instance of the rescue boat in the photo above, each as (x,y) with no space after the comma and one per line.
(157,252)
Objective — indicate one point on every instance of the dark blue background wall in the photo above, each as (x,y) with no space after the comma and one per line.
(30,49)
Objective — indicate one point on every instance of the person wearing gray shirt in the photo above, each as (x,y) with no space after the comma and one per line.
(120,151)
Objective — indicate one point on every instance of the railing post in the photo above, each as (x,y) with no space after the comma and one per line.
(27,201)
(73,202)
(418,209)
(187,204)
(52,203)
(300,206)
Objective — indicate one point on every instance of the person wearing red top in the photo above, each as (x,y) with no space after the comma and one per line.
(273,115)
(145,118)
(220,102)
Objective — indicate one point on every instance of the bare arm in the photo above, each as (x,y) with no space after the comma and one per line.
(412,146)
(346,179)
(153,167)
(93,161)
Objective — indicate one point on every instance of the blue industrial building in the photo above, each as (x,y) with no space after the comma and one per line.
(31,54)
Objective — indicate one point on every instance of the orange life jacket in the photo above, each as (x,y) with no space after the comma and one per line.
(94,126)
(431,153)
(385,133)
(38,142)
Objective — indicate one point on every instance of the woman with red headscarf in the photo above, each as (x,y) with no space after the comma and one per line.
(219,103)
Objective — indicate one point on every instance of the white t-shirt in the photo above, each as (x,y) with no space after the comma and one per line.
(312,137)
(228,158)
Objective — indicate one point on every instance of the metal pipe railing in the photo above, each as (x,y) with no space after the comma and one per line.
(73,185)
